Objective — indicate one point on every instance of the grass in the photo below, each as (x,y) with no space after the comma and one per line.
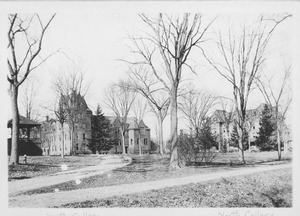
(152,167)
(268,189)
(45,165)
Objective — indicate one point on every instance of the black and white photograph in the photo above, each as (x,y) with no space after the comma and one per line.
(148,107)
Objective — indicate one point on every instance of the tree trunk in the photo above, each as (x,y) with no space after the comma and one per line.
(228,140)
(63,141)
(73,151)
(174,162)
(249,141)
(241,149)
(278,141)
(14,154)
(123,142)
(160,134)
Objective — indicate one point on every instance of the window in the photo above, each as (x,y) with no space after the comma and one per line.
(137,141)
(83,136)
(145,141)
(77,147)
(131,140)
(253,127)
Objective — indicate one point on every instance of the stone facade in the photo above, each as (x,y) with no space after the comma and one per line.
(53,136)
(136,133)
(223,128)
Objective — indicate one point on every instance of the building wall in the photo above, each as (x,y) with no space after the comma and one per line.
(253,119)
(52,137)
(134,138)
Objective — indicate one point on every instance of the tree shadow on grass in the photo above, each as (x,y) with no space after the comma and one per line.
(18,178)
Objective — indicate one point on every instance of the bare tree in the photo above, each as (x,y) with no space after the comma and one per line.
(239,60)
(144,82)
(139,110)
(119,99)
(61,113)
(21,64)
(29,92)
(275,99)
(174,37)
(227,116)
(195,106)
(70,90)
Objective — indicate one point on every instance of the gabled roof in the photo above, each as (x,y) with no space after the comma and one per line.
(131,121)
(220,115)
(24,122)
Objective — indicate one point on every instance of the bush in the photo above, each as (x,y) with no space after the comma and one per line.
(192,151)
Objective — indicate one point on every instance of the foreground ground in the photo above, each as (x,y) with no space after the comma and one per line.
(145,170)
(45,165)
(268,189)
(152,167)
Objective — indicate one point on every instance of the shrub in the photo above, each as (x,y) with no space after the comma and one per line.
(193,150)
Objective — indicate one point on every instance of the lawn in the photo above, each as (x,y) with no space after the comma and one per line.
(268,189)
(45,165)
(152,167)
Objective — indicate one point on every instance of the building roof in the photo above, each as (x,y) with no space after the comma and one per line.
(250,113)
(24,122)
(220,114)
(131,121)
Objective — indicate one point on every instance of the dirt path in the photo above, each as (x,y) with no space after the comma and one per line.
(108,162)
(65,197)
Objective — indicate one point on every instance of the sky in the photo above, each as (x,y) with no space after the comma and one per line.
(96,39)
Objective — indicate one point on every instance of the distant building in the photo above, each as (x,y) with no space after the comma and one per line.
(52,134)
(222,124)
(136,133)
(29,137)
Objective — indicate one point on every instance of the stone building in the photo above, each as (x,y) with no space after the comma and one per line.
(136,133)
(53,136)
(223,124)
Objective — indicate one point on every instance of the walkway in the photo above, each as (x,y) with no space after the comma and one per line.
(65,197)
(108,162)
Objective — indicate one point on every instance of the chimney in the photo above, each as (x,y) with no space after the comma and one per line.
(47,118)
